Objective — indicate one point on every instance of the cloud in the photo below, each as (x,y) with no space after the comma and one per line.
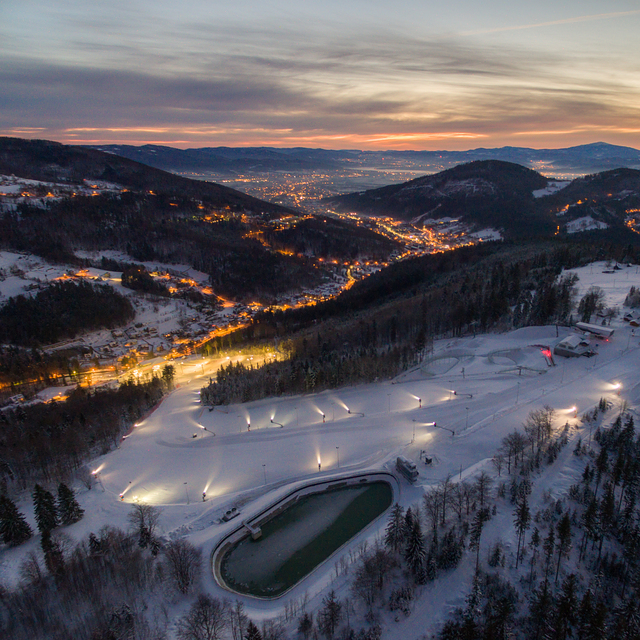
(553,23)
(256,87)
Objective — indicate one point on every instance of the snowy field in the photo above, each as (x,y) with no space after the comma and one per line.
(497,379)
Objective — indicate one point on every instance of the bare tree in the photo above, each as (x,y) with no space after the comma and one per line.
(498,462)
(184,562)
(432,502)
(237,620)
(144,519)
(483,484)
(206,620)
(445,488)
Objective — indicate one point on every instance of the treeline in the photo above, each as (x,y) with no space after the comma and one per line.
(26,370)
(241,383)
(52,441)
(578,553)
(62,310)
(472,289)
(158,227)
(330,238)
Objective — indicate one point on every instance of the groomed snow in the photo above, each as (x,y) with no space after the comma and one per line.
(163,464)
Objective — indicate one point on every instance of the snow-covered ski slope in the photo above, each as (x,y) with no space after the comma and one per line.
(497,379)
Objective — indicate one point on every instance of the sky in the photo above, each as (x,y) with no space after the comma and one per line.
(357,74)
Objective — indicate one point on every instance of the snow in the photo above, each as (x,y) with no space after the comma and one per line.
(498,380)
(487,234)
(552,187)
(585,223)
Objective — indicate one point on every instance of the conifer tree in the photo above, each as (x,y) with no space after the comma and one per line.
(522,519)
(564,539)
(330,615)
(415,552)
(305,625)
(44,507)
(53,556)
(481,516)
(252,633)
(394,533)
(548,547)
(69,511)
(534,543)
(14,529)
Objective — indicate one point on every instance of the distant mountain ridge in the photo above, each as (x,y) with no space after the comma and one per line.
(505,196)
(582,159)
(51,161)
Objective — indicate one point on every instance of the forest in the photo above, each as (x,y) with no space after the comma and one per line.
(52,441)
(387,322)
(60,311)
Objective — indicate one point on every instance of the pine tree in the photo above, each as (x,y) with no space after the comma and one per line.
(305,625)
(522,519)
(564,539)
(534,543)
(415,552)
(44,506)
(14,529)
(394,533)
(548,547)
(69,511)
(330,615)
(481,516)
(53,556)
(252,633)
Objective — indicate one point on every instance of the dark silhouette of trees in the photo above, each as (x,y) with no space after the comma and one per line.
(14,529)
(44,507)
(206,620)
(69,511)
(184,564)
(62,310)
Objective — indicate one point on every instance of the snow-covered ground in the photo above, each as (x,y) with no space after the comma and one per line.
(585,223)
(552,187)
(497,380)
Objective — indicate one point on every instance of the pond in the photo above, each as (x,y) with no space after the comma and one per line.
(298,539)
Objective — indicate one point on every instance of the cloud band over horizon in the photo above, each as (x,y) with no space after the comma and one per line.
(193,83)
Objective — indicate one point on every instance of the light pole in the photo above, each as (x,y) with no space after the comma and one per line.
(338,453)
(264,470)
(186,488)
